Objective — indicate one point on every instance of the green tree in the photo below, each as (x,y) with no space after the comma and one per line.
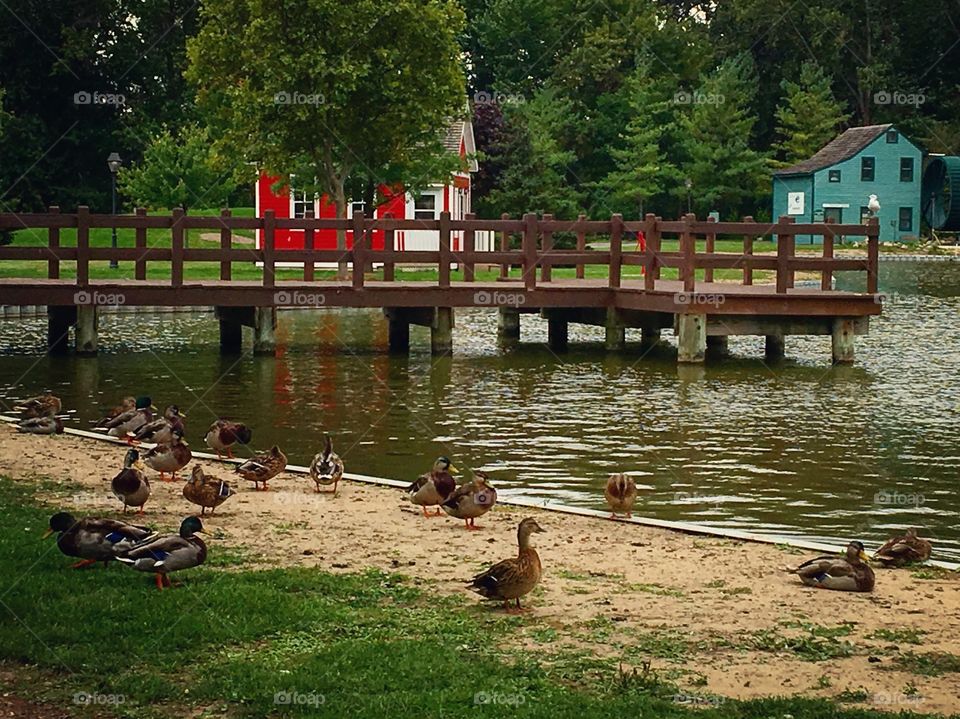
(808,117)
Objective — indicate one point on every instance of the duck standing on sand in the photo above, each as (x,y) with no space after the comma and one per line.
(41,425)
(160,430)
(907,549)
(326,467)
(223,434)
(516,577)
(845,574)
(169,458)
(263,467)
(94,540)
(131,420)
(131,485)
(205,491)
(170,553)
(435,487)
(44,405)
(621,493)
(471,500)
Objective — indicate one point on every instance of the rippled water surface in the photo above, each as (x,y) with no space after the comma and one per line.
(799,449)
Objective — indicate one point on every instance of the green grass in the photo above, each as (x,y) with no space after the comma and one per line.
(931,664)
(228,642)
(903,636)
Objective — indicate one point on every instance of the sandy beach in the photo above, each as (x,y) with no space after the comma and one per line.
(718,616)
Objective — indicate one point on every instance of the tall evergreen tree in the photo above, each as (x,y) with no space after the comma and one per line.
(808,116)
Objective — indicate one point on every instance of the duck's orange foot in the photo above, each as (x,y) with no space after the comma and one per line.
(83,563)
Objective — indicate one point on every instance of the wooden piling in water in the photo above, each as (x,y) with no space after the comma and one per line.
(691,338)
(441,333)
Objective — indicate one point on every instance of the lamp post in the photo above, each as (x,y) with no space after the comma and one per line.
(113,163)
(688,183)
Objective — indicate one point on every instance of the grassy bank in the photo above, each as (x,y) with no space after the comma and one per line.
(295,642)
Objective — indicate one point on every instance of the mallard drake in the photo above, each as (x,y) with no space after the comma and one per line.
(160,430)
(907,549)
(170,553)
(471,500)
(94,540)
(516,577)
(126,404)
(263,467)
(131,485)
(44,405)
(846,574)
(131,420)
(208,492)
(223,434)
(435,487)
(621,493)
(169,458)
(41,425)
(326,467)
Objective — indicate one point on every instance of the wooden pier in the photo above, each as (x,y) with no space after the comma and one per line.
(702,311)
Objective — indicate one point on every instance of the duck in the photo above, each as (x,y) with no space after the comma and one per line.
(41,425)
(263,467)
(205,491)
(621,493)
(223,434)
(131,485)
(131,420)
(160,430)
(169,458)
(126,404)
(515,577)
(169,553)
(907,549)
(435,487)
(92,539)
(471,500)
(845,574)
(327,467)
(44,405)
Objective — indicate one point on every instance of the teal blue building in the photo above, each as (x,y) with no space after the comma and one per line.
(838,180)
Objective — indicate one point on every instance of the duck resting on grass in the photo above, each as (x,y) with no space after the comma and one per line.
(169,553)
(126,404)
(131,485)
(223,434)
(205,491)
(41,425)
(130,421)
(263,467)
(94,540)
(44,405)
(907,549)
(471,500)
(327,467)
(621,493)
(845,574)
(169,458)
(435,487)
(512,578)
(160,430)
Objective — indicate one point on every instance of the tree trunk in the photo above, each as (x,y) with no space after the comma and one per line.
(340,204)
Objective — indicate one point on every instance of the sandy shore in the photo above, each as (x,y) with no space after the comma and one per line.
(718,616)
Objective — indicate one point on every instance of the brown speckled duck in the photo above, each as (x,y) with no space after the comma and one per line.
(516,577)
(126,404)
(621,493)
(160,430)
(131,420)
(845,574)
(44,405)
(206,491)
(223,434)
(472,500)
(435,487)
(326,467)
(908,549)
(169,458)
(263,467)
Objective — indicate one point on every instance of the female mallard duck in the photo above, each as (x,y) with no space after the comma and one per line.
(326,467)
(160,430)
(126,404)
(41,425)
(263,467)
(512,578)
(94,540)
(169,458)
(44,405)
(208,492)
(223,434)
(907,549)
(435,487)
(170,553)
(471,500)
(131,420)
(131,485)
(621,493)
(845,574)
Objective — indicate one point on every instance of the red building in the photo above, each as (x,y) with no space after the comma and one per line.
(452,196)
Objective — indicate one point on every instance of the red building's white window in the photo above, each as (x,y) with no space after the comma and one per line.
(425,207)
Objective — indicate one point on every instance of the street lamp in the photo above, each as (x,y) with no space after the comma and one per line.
(688,183)
(113,163)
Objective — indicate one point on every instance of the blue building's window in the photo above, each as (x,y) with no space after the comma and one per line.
(833,176)
(893,137)
(867,167)
(906,219)
(864,213)
(833,214)
(906,169)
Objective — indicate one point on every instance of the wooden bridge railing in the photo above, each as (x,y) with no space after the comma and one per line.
(537,248)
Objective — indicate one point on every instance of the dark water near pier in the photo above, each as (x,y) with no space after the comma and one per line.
(800,449)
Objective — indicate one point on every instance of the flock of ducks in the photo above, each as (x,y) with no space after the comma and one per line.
(94,540)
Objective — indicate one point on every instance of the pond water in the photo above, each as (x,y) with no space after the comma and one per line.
(800,449)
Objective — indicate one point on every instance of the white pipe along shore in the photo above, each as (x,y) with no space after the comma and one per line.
(686,527)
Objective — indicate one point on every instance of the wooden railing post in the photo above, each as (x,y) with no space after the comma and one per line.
(226,235)
(652,259)
(140,242)
(469,247)
(748,252)
(308,246)
(784,254)
(581,244)
(176,248)
(83,246)
(505,247)
(53,242)
(711,246)
(359,253)
(826,276)
(445,254)
(389,245)
(530,227)
(269,248)
(688,249)
(546,244)
(616,249)
(873,255)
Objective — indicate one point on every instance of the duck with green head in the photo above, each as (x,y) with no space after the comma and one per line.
(169,553)
(93,540)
